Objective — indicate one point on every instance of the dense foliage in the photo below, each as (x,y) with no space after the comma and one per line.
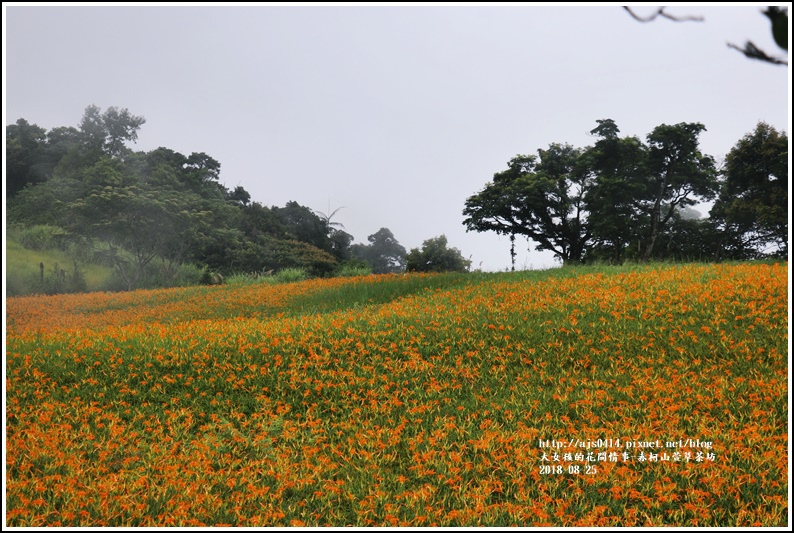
(156,217)
(625,199)
(436,256)
(157,211)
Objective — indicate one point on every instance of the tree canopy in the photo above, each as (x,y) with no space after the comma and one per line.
(383,253)
(436,256)
(162,210)
(621,197)
(540,197)
(753,200)
(160,206)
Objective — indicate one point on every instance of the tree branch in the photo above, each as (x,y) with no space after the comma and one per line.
(753,52)
(661,13)
(775,14)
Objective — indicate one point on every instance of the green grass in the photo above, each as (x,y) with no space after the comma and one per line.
(23,272)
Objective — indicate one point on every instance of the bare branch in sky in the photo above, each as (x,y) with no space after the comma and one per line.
(778,16)
(753,52)
(661,13)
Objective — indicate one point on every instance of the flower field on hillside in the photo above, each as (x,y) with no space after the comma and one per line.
(645,397)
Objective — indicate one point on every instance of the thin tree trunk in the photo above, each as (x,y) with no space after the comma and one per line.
(655,216)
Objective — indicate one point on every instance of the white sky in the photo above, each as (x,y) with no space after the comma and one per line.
(396,112)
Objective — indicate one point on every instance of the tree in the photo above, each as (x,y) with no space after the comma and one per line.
(117,212)
(145,207)
(196,210)
(25,144)
(108,132)
(140,207)
(201,173)
(618,164)
(256,219)
(753,201)
(689,239)
(435,256)
(384,254)
(678,174)
(492,209)
(239,196)
(340,244)
(327,217)
(542,198)
(593,202)
(303,225)
(45,203)
(61,141)
(340,240)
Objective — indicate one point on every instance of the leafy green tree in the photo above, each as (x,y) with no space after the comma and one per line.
(239,196)
(257,239)
(139,209)
(302,224)
(61,141)
(45,203)
(678,175)
(495,207)
(139,206)
(202,173)
(340,244)
(144,207)
(753,200)
(117,212)
(542,198)
(689,239)
(107,133)
(593,203)
(436,256)
(25,144)
(281,254)
(617,164)
(99,135)
(256,219)
(383,253)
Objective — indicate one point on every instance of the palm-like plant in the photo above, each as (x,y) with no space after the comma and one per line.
(327,218)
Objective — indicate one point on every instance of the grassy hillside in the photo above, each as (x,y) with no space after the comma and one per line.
(642,396)
(23,272)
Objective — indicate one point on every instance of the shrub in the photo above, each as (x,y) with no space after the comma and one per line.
(241,279)
(353,268)
(43,237)
(57,280)
(211,278)
(290,275)
(435,256)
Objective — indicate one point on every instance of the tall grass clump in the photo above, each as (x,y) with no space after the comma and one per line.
(290,275)
(24,274)
(242,279)
(351,270)
(42,237)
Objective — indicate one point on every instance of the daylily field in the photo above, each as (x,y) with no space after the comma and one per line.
(625,396)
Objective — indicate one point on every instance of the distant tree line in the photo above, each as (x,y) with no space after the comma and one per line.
(625,199)
(138,209)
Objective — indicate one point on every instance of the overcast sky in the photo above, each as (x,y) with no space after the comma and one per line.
(396,113)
